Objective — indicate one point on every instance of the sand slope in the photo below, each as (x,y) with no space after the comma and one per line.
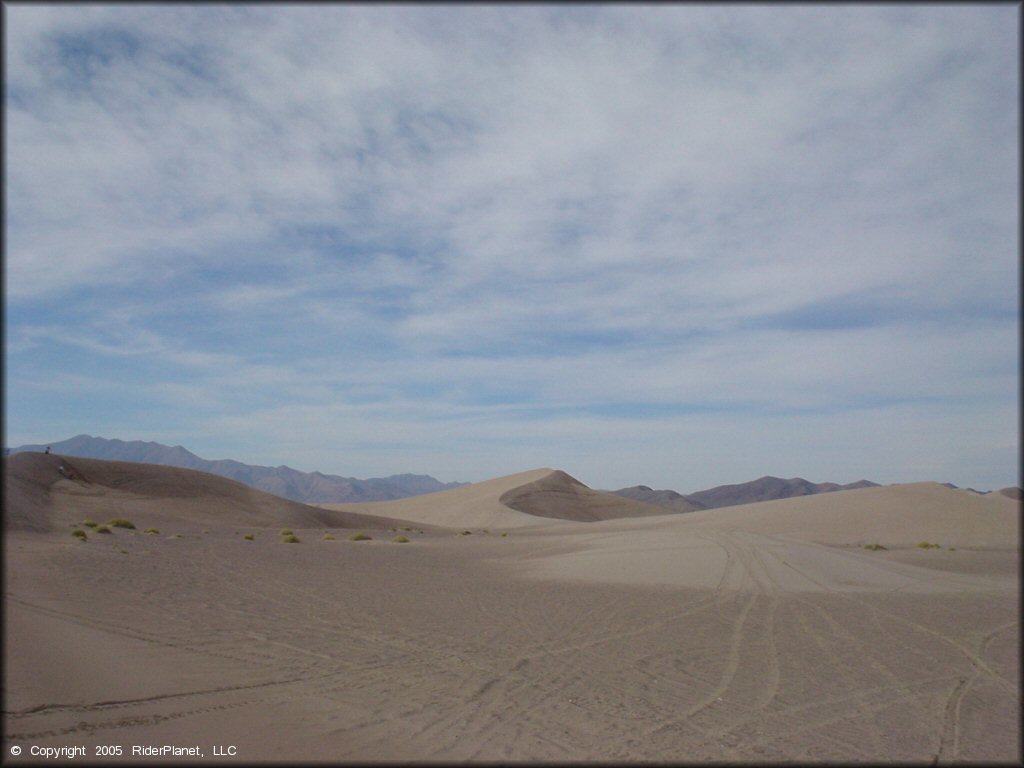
(810,543)
(759,635)
(535,497)
(47,492)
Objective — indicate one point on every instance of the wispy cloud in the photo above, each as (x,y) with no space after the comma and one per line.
(434,229)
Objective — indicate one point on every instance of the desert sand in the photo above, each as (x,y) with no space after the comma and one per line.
(570,628)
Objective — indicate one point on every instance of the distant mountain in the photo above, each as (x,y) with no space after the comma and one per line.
(667,499)
(288,483)
(763,489)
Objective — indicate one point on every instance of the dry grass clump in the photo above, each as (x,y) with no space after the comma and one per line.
(291,538)
(874,547)
(287,532)
(151,531)
(248,537)
(102,529)
(78,533)
(400,540)
(928,545)
(465,533)
(328,537)
(360,537)
(120,522)
(89,523)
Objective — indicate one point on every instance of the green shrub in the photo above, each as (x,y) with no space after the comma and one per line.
(248,537)
(927,545)
(120,522)
(400,540)
(89,524)
(291,538)
(874,547)
(360,537)
(102,529)
(78,533)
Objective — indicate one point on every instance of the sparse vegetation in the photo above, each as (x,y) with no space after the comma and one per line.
(928,545)
(291,538)
(465,533)
(400,540)
(89,523)
(504,534)
(102,529)
(120,522)
(328,537)
(287,532)
(78,533)
(124,551)
(360,537)
(151,531)
(248,537)
(874,547)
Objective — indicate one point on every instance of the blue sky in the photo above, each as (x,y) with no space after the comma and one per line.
(670,245)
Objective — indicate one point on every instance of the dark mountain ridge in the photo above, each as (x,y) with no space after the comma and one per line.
(765,488)
(288,483)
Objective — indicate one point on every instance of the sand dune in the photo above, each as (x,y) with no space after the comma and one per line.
(535,497)
(759,634)
(796,540)
(47,492)
(561,496)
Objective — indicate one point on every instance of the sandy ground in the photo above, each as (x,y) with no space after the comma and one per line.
(668,638)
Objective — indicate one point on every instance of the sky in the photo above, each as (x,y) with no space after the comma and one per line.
(670,245)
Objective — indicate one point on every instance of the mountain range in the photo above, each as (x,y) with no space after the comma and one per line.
(288,483)
(765,488)
(318,488)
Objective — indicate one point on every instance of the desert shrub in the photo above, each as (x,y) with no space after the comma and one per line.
(78,533)
(465,533)
(504,534)
(124,551)
(952,549)
(291,538)
(328,537)
(360,537)
(89,523)
(120,522)
(102,529)
(874,547)
(151,531)
(248,537)
(400,540)
(287,532)
(927,545)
